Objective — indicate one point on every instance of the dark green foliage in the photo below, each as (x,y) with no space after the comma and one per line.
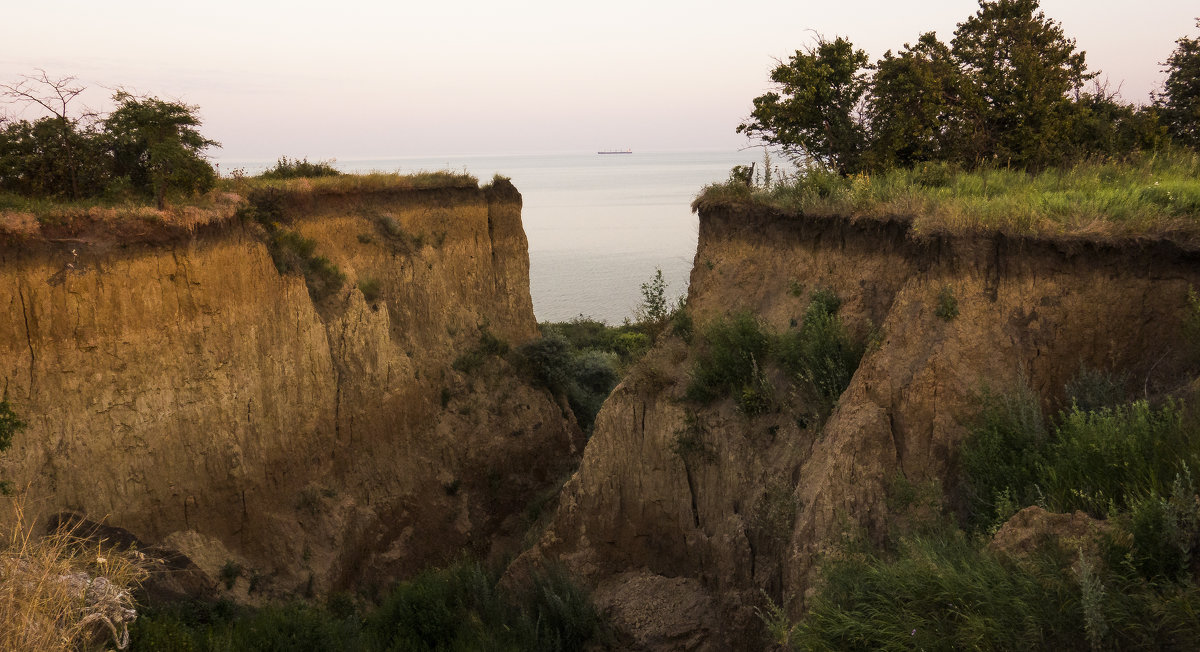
(682,325)
(225,627)
(949,591)
(294,254)
(1106,460)
(1166,531)
(157,146)
(947,304)
(370,288)
(53,157)
(582,369)
(654,300)
(286,168)
(1092,389)
(1180,98)
(583,359)
(811,112)
(691,442)
(146,146)
(489,346)
(1001,455)
(821,354)
(456,608)
(1019,67)
(10,424)
(731,362)
(1008,92)
(916,106)
(230,572)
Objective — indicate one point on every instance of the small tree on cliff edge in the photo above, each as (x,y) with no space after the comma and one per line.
(813,111)
(157,145)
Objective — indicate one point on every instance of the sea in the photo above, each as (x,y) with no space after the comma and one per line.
(599,225)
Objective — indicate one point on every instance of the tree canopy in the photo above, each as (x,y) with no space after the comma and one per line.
(813,113)
(146,146)
(1010,89)
(1180,97)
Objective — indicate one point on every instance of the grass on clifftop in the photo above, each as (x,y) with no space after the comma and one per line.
(26,217)
(1154,195)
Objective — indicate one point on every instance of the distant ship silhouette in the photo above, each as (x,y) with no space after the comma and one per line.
(615,151)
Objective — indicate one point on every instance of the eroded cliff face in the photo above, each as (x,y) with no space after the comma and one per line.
(188,392)
(652,524)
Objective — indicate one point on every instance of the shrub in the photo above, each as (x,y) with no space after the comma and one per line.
(1092,389)
(951,592)
(821,353)
(947,304)
(1107,459)
(653,310)
(730,362)
(370,288)
(10,424)
(461,608)
(489,346)
(230,572)
(584,377)
(286,168)
(1001,454)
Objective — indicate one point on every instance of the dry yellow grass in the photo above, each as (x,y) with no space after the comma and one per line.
(58,592)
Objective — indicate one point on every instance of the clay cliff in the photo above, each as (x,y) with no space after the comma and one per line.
(178,385)
(682,542)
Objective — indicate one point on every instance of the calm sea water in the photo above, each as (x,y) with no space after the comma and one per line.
(598,225)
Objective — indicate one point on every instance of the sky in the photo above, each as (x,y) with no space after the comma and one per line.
(369,79)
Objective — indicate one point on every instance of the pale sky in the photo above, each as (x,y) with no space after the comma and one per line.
(366,78)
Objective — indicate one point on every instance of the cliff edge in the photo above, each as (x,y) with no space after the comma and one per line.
(684,515)
(179,385)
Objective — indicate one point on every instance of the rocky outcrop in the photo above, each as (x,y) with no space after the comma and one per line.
(180,387)
(771,493)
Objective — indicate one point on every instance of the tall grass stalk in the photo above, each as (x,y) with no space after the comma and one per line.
(59,593)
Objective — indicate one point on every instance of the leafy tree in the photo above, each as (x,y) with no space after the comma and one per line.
(917,106)
(157,145)
(59,133)
(1021,68)
(1180,98)
(40,159)
(813,113)
(1102,125)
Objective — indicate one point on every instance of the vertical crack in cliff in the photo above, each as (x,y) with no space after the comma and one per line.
(28,338)
(687,470)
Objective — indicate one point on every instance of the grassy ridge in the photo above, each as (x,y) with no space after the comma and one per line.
(1156,195)
(26,217)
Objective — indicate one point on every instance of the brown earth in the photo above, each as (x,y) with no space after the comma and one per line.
(181,388)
